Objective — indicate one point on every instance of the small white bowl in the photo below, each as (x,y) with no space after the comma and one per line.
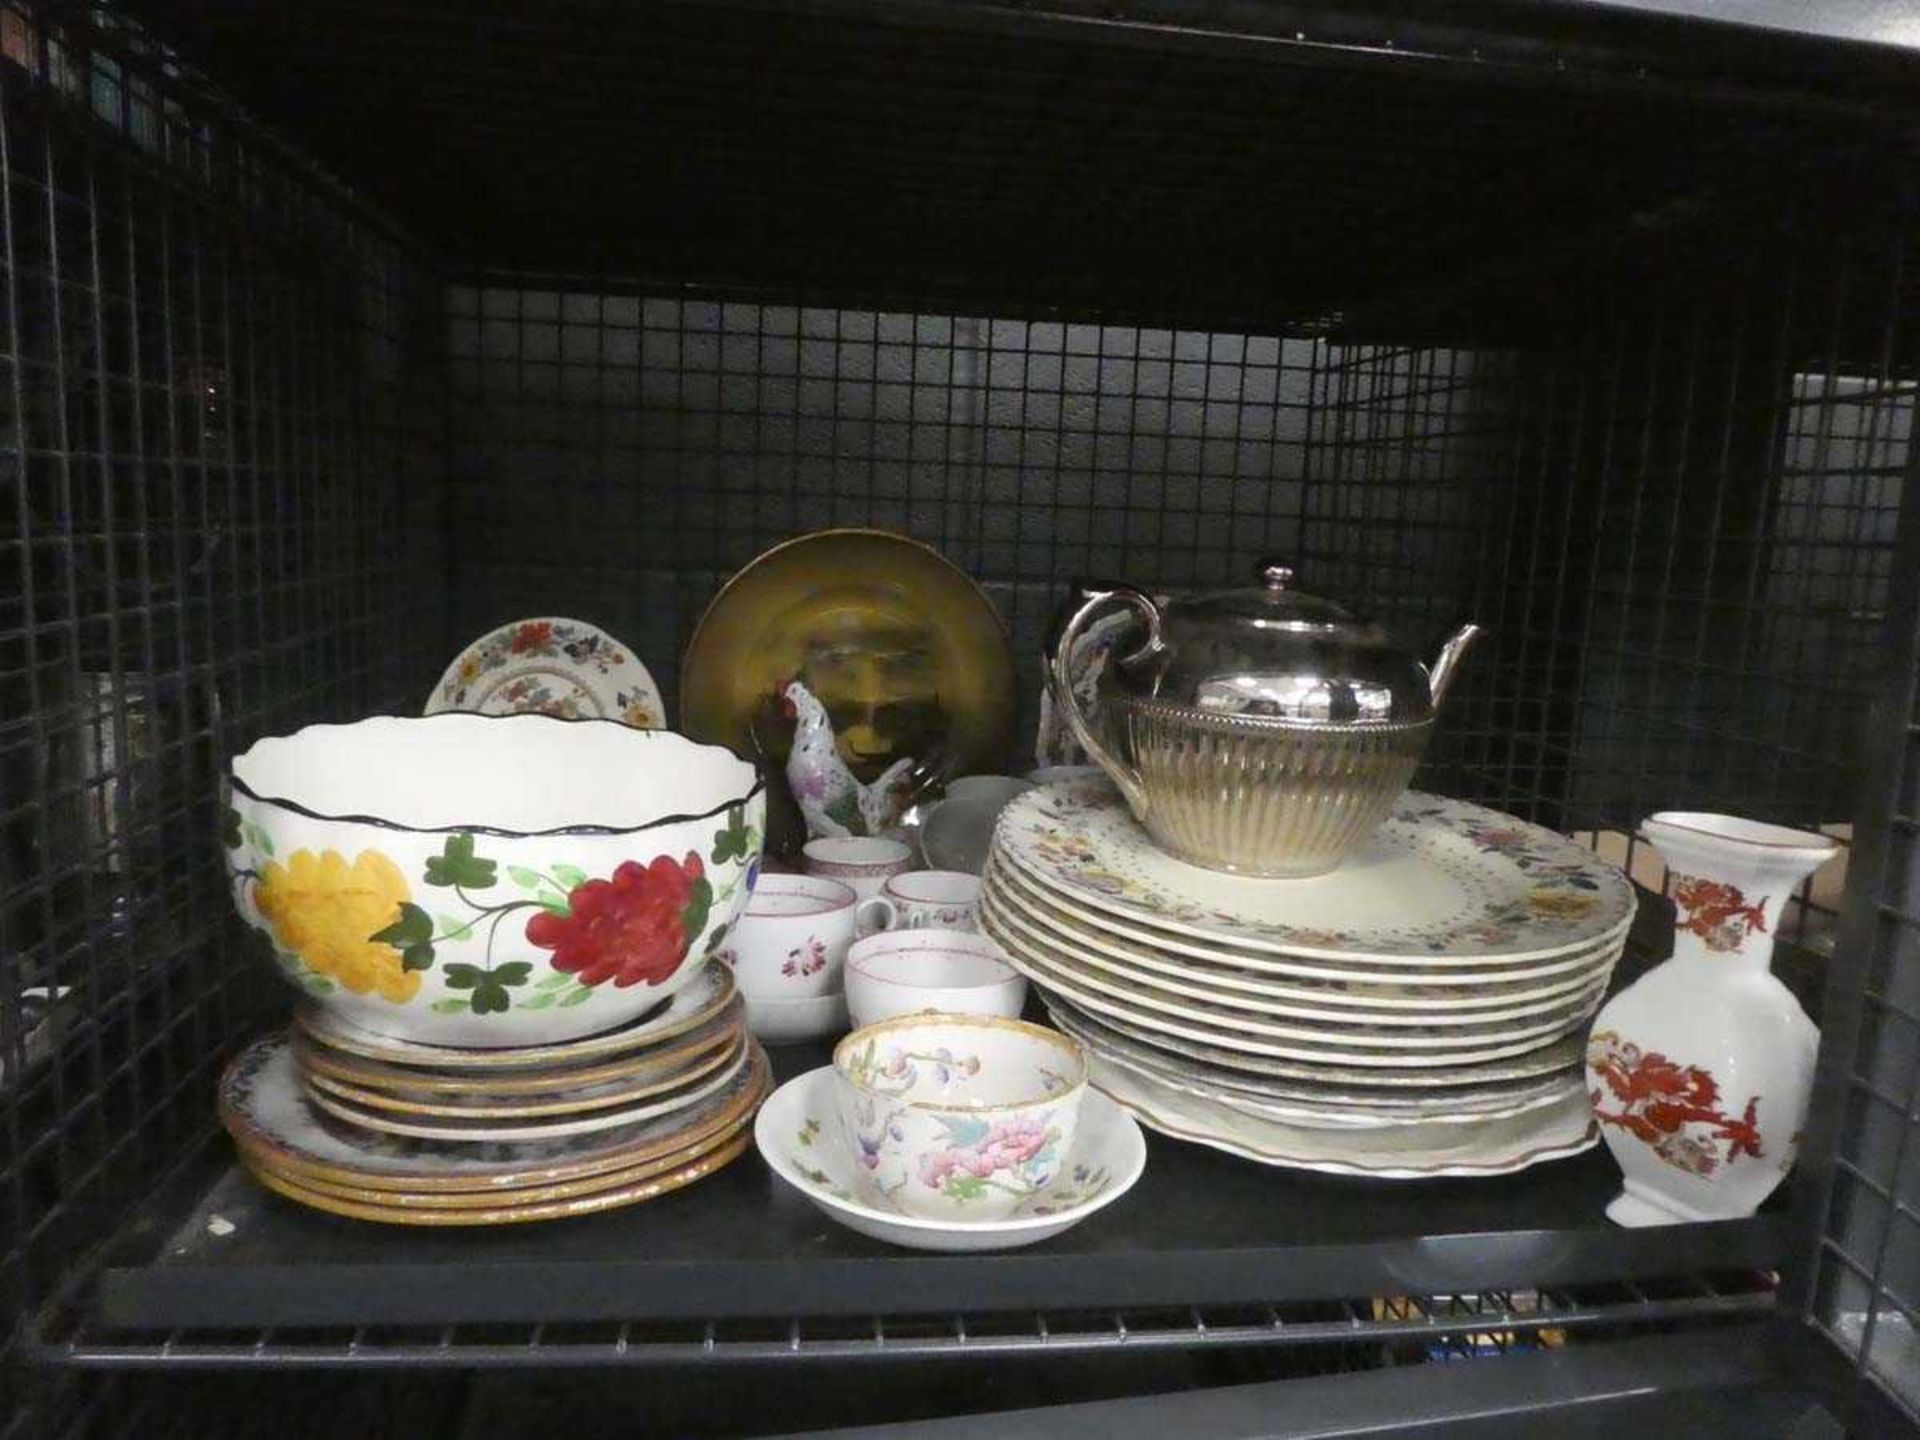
(905,972)
(785,1022)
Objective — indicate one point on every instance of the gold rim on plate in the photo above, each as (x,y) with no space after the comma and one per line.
(561,1209)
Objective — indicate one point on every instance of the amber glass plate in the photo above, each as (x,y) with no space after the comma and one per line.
(907,655)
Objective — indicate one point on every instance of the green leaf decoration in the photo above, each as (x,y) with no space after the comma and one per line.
(317,984)
(452,929)
(571,876)
(411,935)
(553,981)
(231,834)
(447,1006)
(456,864)
(464,977)
(736,840)
(576,997)
(554,901)
(264,841)
(417,957)
(526,879)
(491,999)
(538,1002)
(514,972)
(693,918)
(965,1187)
(719,936)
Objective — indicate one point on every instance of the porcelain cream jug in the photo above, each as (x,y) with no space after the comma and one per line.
(1700,1070)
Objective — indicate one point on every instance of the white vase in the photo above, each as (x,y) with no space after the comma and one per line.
(1701,1069)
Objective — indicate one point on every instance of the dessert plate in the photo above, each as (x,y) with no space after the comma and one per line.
(550,665)
(699,1000)
(483,1128)
(1348,1098)
(1396,985)
(264,1106)
(798,1129)
(1269,999)
(1441,882)
(1353,1045)
(1407,1152)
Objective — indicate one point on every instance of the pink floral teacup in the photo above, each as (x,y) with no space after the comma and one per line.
(866,862)
(924,900)
(792,941)
(958,1117)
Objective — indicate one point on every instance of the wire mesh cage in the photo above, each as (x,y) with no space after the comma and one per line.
(267,458)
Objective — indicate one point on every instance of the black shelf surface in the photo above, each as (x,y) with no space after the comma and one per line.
(1201,1228)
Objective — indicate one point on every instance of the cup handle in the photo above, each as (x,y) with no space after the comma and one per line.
(864,915)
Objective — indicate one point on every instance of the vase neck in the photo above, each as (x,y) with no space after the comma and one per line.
(1728,916)
(1753,956)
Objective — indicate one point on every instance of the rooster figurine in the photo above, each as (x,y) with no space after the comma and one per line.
(831,798)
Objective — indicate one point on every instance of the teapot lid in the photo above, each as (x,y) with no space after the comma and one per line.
(1272,651)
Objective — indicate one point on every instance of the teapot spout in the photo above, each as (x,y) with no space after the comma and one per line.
(1440,676)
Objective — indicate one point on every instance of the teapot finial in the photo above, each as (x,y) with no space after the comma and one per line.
(1440,676)
(1276,574)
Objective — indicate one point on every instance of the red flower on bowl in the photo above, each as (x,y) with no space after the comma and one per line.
(633,927)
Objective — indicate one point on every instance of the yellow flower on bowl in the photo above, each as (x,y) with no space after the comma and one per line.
(324,910)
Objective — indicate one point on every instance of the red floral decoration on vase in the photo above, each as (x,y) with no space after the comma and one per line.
(1718,913)
(1660,1098)
(634,927)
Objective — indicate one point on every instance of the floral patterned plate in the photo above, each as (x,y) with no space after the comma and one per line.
(1404,1152)
(551,666)
(547,1127)
(695,1003)
(1353,1097)
(1336,1003)
(1416,985)
(265,1108)
(1317,1111)
(1232,1030)
(1441,880)
(800,1137)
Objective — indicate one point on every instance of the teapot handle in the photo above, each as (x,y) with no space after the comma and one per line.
(1060,681)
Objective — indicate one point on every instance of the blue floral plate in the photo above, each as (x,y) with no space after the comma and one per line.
(798,1132)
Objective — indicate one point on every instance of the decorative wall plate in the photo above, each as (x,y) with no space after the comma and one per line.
(485,1129)
(629,1194)
(1416,983)
(1441,880)
(550,665)
(264,1106)
(905,652)
(798,1133)
(1409,1152)
(696,1002)
(1339,1005)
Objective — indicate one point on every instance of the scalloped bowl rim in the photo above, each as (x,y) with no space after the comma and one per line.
(753,783)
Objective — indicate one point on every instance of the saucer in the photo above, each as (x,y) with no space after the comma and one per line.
(796,1134)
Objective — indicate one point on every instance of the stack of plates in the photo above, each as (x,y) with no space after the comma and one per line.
(384,1129)
(1416,1012)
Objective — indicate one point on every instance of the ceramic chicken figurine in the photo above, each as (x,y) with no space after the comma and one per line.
(831,798)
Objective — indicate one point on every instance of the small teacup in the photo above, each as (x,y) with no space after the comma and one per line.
(907,972)
(997,789)
(792,938)
(958,1117)
(924,900)
(864,862)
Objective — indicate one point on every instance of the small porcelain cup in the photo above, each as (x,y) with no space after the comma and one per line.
(958,1117)
(997,789)
(793,938)
(906,972)
(864,862)
(924,900)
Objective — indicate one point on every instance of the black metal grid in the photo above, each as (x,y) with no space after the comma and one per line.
(209,418)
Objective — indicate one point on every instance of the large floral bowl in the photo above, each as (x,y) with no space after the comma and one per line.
(958,1117)
(491,880)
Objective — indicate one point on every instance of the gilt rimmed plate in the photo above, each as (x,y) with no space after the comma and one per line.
(264,1106)
(700,999)
(632,1193)
(550,665)
(797,1133)
(1440,881)
(1346,1005)
(1413,981)
(606,1095)
(1356,1045)
(1392,1100)
(1407,1152)
(487,1129)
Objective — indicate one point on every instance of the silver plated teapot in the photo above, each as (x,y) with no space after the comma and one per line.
(1262,730)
